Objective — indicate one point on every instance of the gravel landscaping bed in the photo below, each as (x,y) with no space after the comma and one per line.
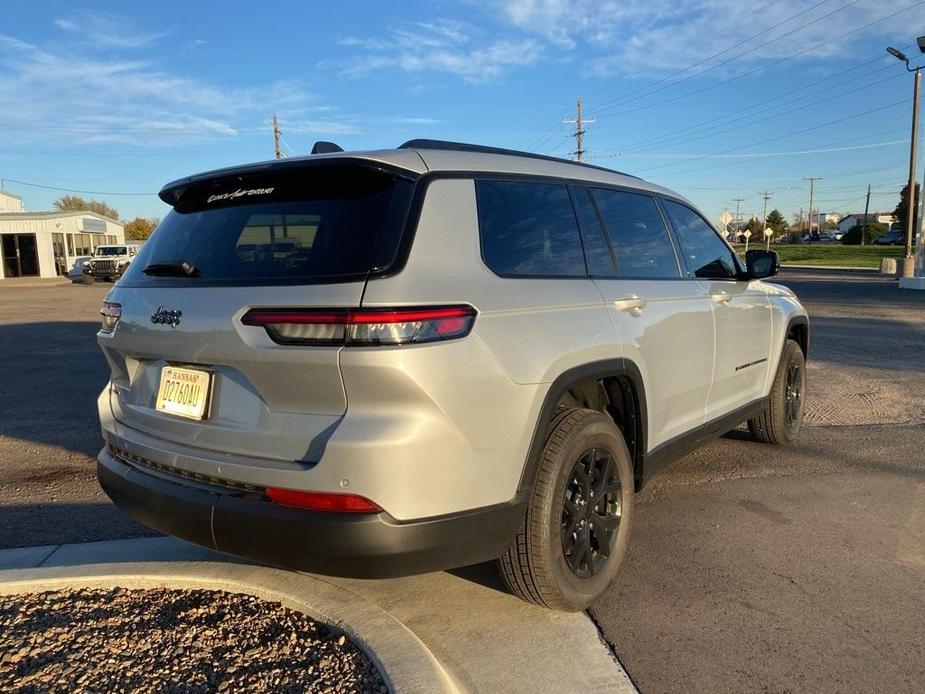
(164,640)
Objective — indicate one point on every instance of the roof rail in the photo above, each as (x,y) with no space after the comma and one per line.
(448,146)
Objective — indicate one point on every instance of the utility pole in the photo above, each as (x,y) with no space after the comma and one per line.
(276,138)
(812,181)
(738,222)
(764,218)
(579,131)
(866,211)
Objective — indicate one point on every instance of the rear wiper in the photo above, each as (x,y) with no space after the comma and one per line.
(179,268)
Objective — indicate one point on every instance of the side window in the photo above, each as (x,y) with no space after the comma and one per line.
(528,229)
(704,252)
(638,235)
(597,250)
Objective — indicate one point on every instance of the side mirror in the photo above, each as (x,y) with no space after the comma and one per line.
(761,264)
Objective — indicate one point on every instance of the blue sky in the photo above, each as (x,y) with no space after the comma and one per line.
(717,99)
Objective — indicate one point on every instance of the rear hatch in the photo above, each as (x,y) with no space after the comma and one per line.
(277,239)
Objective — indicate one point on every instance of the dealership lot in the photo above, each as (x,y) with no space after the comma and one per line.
(751,567)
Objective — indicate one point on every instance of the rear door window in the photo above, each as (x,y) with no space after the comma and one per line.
(640,240)
(320,224)
(528,229)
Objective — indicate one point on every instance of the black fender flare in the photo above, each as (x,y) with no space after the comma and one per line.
(607,368)
(804,322)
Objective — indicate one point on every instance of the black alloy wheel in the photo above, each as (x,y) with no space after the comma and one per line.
(591,511)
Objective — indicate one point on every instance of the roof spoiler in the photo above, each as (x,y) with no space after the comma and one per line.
(324,147)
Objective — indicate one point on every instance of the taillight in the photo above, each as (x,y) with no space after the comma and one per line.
(363,326)
(321,501)
(110,314)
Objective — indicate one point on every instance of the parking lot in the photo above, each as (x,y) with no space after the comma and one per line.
(751,567)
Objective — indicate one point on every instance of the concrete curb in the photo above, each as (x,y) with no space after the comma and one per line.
(405,663)
(839,268)
(456,631)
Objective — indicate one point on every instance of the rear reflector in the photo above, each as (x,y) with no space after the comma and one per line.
(319,501)
(363,326)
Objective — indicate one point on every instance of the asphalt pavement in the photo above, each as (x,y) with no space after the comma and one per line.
(751,567)
(759,568)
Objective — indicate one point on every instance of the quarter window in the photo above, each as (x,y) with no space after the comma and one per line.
(705,254)
(638,235)
(528,229)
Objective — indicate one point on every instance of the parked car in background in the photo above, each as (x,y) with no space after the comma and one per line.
(398,361)
(110,262)
(76,273)
(894,237)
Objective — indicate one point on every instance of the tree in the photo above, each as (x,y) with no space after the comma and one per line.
(871,230)
(777,223)
(902,209)
(140,228)
(77,203)
(753,225)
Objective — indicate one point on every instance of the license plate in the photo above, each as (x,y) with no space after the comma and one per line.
(184,392)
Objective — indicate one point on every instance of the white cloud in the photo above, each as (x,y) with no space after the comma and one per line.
(651,36)
(130,100)
(319,127)
(106,30)
(441,46)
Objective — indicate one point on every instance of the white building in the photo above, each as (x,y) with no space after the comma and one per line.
(820,218)
(46,244)
(852,220)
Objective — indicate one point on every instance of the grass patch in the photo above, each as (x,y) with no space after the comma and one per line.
(832,254)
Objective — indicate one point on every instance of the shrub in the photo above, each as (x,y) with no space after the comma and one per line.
(853,237)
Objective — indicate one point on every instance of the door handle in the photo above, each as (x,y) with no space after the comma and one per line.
(632,303)
(721,297)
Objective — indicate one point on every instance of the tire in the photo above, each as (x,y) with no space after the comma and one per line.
(547,565)
(780,421)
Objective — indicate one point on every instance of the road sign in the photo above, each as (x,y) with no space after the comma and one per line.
(768,232)
(747,234)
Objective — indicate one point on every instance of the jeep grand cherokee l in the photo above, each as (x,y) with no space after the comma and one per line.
(388,362)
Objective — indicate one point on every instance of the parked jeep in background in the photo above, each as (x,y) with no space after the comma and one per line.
(109,262)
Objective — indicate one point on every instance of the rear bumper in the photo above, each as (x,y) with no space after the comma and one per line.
(339,544)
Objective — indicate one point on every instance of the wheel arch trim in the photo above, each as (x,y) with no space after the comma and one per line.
(607,368)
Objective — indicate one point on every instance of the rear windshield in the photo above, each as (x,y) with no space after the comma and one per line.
(319,224)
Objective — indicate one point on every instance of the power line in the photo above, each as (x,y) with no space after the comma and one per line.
(748,108)
(764,67)
(750,120)
(784,136)
(626,97)
(72,190)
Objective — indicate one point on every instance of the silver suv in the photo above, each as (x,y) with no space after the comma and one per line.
(391,362)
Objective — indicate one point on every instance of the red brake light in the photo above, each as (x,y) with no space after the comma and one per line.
(321,501)
(373,326)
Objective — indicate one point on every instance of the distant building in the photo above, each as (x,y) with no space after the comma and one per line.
(10,202)
(821,218)
(852,220)
(46,244)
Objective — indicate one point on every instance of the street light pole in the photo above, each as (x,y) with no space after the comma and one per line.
(909,260)
(908,268)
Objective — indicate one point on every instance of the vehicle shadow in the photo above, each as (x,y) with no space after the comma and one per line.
(51,374)
(32,524)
